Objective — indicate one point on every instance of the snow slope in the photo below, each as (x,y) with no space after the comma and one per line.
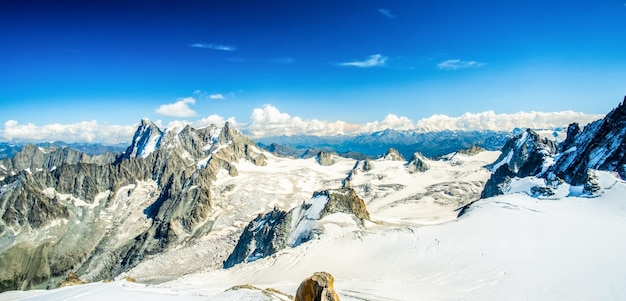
(512,247)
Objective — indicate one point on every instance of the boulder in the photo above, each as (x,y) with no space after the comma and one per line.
(319,287)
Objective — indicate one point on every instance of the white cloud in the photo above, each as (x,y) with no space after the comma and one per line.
(213,46)
(214,119)
(201,95)
(386,13)
(504,122)
(456,64)
(269,121)
(178,109)
(391,121)
(376,60)
(86,131)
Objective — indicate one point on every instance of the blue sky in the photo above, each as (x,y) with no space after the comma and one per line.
(115,62)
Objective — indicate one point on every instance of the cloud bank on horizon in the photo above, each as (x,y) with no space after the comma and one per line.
(270,121)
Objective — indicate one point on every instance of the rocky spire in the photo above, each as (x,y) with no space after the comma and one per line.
(393,155)
(145,141)
(418,163)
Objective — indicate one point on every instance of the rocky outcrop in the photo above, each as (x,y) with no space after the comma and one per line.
(266,234)
(601,145)
(71,280)
(473,150)
(418,163)
(276,230)
(525,154)
(497,182)
(343,201)
(319,287)
(325,158)
(145,141)
(393,155)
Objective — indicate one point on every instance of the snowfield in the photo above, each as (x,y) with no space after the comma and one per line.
(510,247)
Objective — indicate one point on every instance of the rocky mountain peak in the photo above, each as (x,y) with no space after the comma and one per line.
(276,230)
(418,163)
(325,158)
(392,154)
(525,154)
(600,145)
(145,140)
(227,134)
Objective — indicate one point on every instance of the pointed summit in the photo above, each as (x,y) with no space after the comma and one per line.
(393,155)
(145,141)
(227,134)
(418,163)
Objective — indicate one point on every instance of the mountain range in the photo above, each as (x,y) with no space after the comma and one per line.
(431,144)
(209,203)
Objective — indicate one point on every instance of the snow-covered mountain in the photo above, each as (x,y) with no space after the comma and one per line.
(64,211)
(8,150)
(431,144)
(172,216)
(601,145)
(512,246)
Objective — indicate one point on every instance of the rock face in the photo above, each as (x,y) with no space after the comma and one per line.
(319,287)
(71,280)
(276,230)
(473,150)
(601,145)
(497,182)
(64,211)
(418,163)
(325,158)
(393,155)
(32,158)
(523,155)
(266,234)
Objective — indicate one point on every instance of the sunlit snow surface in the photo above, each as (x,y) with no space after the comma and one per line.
(511,247)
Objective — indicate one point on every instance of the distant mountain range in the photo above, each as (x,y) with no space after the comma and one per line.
(8,149)
(430,144)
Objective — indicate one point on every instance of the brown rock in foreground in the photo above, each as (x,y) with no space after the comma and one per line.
(318,287)
(71,280)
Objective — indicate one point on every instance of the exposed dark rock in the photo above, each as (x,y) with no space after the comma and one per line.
(325,158)
(418,163)
(266,234)
(343,201)
(572,131)
(494,186)
(319,287)
(393,155)
(276,230)
(591,187)
(600,145)
(525,153)
(541,191)
(473,150)
(77,238)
